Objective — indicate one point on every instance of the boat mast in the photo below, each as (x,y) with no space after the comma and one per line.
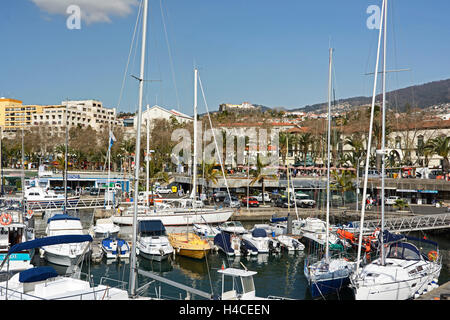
(194,162)
(369,143)
(65,160)
(383,142)
(327,246)
(147,160)
(133,269)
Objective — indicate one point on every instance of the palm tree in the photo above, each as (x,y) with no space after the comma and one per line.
(305,140)
(440,146)
(343,181)
(259,175)
(209,173)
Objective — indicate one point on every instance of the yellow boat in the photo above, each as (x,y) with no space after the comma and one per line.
(189,245)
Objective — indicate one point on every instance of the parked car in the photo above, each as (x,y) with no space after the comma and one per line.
(163,190)
(233,203)
(94,191)
(259,197)
(282,202)
(303,201)
(252,202)
(219,196)
(391,200)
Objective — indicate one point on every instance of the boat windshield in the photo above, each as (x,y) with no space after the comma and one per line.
(248,284)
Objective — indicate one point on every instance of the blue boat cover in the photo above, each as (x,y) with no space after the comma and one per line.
(48,241)
(62,217)
(259,233)
(403,250)
(150,226)
(390,237)
(37,274)
(223,240)
(274,219)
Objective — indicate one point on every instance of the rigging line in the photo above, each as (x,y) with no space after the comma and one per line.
(129,55)
(170,55)
(214,135)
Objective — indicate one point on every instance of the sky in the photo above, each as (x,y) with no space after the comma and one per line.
(272,53)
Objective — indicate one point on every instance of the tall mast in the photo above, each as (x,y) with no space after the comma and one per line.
(133,270)
(65,160)
(194,162)
(383,156)
(369,142)
(327,256)
(147,159)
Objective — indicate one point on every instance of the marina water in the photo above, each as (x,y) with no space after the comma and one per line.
(278,274)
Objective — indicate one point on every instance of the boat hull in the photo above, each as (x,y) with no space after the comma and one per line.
(178,219)
(396,290)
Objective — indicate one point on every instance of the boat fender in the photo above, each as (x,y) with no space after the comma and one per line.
(432,255)
(5,219)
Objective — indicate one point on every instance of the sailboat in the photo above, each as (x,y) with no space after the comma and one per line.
(188,243)
(403,269)
(328,275)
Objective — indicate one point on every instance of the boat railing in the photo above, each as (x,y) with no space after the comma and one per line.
(118,283)
(5,292)
(14,294)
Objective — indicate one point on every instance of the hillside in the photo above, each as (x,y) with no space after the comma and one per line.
(420,96)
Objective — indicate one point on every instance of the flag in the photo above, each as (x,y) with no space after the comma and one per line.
(112,139)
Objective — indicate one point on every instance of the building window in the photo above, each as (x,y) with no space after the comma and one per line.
(398,142)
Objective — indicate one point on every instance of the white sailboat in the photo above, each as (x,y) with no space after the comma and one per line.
(185,215)
(402,271)
(328,275)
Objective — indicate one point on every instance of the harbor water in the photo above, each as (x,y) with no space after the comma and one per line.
(277,274)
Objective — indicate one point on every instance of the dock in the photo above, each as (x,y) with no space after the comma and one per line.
(440,293)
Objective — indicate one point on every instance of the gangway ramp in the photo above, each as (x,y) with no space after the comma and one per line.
(409,223)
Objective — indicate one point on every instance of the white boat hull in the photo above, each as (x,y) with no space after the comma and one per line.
(400,287)
(177,218)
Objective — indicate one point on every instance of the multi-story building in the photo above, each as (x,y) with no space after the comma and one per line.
(14,115)
(80,113)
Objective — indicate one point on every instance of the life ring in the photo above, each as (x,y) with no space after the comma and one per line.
(432,255)
(29,213)
(5,219)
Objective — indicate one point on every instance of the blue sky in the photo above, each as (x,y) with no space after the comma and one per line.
(273,53)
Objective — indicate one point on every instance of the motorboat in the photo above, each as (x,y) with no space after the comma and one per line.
(45,196)
(410,268)
(65,254)
(14,229)
(246,288)
(189,244)
(259,239)
(173,216)
(235,227)
(115,248)
(273,229)
(105,228)
(152,240)
(205,230)
(314,229)
(44,283)
(290,243)
(228,243)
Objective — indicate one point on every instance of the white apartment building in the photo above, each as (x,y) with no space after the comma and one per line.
(82,113)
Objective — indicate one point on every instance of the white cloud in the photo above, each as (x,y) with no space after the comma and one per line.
(91,10)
